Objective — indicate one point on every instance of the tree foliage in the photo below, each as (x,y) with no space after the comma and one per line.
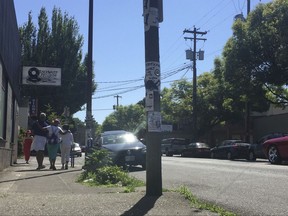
(255,57)
(130,118)
(213,103)
(56,46)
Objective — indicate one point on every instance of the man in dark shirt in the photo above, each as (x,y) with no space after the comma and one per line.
(40,139)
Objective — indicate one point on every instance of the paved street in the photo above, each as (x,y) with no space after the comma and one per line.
(248,188)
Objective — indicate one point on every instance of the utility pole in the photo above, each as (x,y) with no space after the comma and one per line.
(248,7)
(89,117)
(117,98)
(194,99)
(247,103)
(152,11)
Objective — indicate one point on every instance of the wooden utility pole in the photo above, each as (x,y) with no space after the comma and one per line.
(247,103)
(117,100)
(152,101)
(89,118)
(194,99)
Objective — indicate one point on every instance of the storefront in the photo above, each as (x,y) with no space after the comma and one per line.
(10,73)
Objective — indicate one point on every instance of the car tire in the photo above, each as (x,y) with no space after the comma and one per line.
(212,155)
(229,156)
(251,156)
(167,153)
(125,167)
(273,155)
(144,166)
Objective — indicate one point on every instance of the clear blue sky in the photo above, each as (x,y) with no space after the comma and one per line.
(118,41)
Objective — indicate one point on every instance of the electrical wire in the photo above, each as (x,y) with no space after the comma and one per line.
(134,88)
(215,14)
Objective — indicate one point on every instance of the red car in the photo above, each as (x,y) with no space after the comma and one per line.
(276,149)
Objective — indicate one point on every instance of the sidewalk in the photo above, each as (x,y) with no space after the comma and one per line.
(25,191)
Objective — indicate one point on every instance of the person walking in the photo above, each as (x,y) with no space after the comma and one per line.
(40,139)
(65,146)
(53,142)
(27,142)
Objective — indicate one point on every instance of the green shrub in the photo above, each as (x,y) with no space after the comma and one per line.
(110,175)
(96,159)
(100,171)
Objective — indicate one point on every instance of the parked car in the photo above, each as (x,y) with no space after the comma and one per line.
(125,148)
(83,148)
(197,149)
(76,150)
(233,149)
(258,146)
(276,149)
(171,146)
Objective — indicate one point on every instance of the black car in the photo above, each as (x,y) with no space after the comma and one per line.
(124,147)
(233,149)
(197,149)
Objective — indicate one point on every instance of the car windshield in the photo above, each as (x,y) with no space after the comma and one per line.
(202,145)
(179,142)
(118,138)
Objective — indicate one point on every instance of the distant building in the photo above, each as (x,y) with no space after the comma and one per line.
(10,73)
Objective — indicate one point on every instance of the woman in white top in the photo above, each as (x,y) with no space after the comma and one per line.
(53,143)
(65,146)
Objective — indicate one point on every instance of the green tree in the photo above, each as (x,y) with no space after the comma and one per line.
(268,36)
(130,118)
(213,102)
(176,104)
(56,46)
(255,57)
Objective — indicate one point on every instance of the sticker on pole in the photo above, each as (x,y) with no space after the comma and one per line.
(151,15)
(154,122)
(152,76)
(149,100)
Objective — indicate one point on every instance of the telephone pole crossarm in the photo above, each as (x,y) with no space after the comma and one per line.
(189,38)
(195,31)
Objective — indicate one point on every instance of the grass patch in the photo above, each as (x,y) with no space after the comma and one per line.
(110,176)
(165,190)
(204,205)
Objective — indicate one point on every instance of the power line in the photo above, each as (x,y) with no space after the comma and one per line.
(123,81)
(164,75)
(134,88)
(209,12)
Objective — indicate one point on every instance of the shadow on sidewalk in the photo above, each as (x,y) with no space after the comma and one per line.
(54,172)
(143,206)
